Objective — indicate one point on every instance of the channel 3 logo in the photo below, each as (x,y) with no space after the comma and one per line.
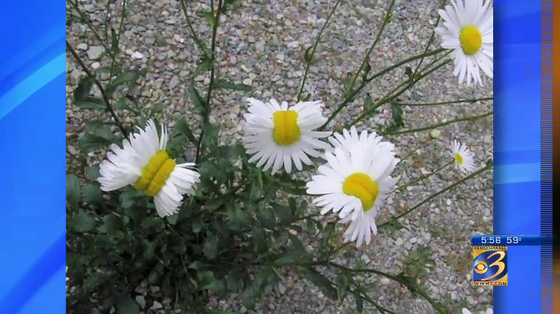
(490,266)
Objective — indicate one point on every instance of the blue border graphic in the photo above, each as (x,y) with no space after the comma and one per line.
(517,83)
(32,155)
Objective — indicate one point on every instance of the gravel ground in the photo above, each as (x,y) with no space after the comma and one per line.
(261,43)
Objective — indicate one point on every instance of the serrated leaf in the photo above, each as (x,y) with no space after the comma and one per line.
(225,84)
(211,247)
(90,103)
(82,222)
(98,136)
(199,103)
(210,135)
(125,305)
(91,193)
(83,89)
(202,67)
(348,84)
(111,224)
(73,190)
(237,219)
(320,281)
(198,224)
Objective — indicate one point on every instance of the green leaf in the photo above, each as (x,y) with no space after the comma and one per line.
(73,190)
(202,67)
(83,89)
(366,69)
(266,218)
(93,172)
(90,103)
(211,247)
(182,127)
(111,224)
(198,224)
(320,281)
(153,223)
(225,84)
(283,213)
(82,222)
(288,258)
(114,42)
(327,234)
(397,115)
(368,103)
(210,135)
(125,305)
(128,78)
(307,56)
(98,136)
(237,219)
(199,103)
(359,304)
(348,84)
(408,72)
(91,193)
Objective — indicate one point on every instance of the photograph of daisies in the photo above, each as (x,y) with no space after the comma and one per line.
(275,156)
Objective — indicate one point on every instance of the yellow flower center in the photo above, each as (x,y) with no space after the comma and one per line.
(286,131)
(363,187)
(471,39)
(459,158)
(155,173)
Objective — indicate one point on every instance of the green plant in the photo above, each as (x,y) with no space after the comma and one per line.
(243,225)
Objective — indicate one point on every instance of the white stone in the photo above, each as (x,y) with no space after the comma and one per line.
(94,52)
(95,65)
(141,301)
(248,81)
(137,55)
(82,46)
(400,241)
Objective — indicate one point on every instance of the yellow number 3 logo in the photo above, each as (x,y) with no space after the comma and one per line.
(498,262)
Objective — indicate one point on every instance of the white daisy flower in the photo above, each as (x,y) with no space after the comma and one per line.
(144,164)
(465,311)
(488,311)
(277,135)
(355,183)
(463,157)
(347,141)
(468,29)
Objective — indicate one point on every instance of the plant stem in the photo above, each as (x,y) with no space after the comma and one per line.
(206,116)
(429,198)
(351,97)
(101,89)
(471,101)
(86,20)
(435,126)
(196,39)
(314,49)
(410,287)
(121,25)
(430,40)
(388,98)
(366,58)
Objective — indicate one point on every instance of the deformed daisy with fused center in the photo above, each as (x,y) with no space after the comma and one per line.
(463,157)
(468,29)
(355,183)
(277,135)
(144,163)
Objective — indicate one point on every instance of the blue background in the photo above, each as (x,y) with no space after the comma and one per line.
(32,157)
(32,153)
(517,64)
